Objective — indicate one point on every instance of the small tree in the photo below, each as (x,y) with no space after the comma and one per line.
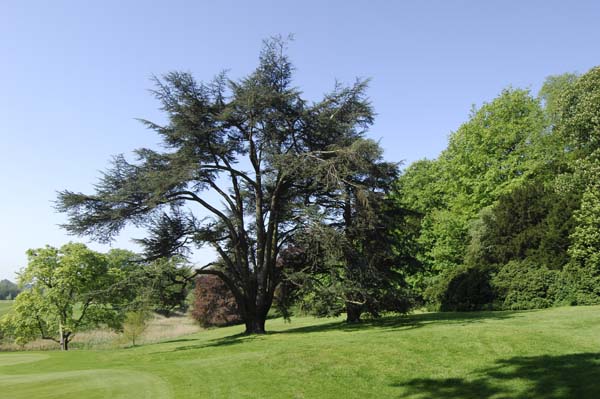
(69,289)
(135,324)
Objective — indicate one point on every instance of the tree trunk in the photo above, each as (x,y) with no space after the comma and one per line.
(64,342)
(255,325)
(64,338)
(254,309)
(353,312)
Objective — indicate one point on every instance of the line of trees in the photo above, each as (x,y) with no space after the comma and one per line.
(507,216)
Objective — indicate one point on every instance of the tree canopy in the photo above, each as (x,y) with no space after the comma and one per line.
(68,289)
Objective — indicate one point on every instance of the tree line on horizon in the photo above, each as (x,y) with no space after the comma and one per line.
(311,217)
(8,289)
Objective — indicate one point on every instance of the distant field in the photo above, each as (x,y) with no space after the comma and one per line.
(5,306)
(537,354)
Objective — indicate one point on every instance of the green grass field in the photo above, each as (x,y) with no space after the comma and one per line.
(5,306)
(537,354)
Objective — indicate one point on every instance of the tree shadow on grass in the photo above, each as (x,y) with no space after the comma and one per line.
(406,322)
(178,340)
(215,343)
(395,323)
(547,377)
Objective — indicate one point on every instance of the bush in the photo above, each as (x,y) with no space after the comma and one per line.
(578,286)
(464,288)
(214,304)
(524,285)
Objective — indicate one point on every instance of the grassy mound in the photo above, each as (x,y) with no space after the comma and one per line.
(536,354)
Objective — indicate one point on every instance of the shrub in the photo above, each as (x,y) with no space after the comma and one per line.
(578,286)
(214,304)
(464,288)
(524,285)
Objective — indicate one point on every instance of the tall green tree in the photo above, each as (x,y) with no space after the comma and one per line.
(68,289)
(497,150)
(354,262)
(553,88)
(494,151)
(579,126)
(531,223)
(243,141)
(579,130)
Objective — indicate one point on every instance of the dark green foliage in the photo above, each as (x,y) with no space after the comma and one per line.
(350,265)
(168,236)
(165,284)
(160,285)
(461,289)
(578,286)
(532,222)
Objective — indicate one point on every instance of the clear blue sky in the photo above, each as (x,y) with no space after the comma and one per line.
(74,75)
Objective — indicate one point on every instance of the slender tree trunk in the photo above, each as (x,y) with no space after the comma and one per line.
(64,342)
(64,338)
(353,312)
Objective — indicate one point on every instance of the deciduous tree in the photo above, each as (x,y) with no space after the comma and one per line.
(67,289)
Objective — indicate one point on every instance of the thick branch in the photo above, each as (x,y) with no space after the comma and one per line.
(207,206)
(231,170)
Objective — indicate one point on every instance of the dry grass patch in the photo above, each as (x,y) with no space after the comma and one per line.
(159,329)
(162,328)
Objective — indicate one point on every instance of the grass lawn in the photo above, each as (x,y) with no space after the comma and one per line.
(5,306)
(551,353)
